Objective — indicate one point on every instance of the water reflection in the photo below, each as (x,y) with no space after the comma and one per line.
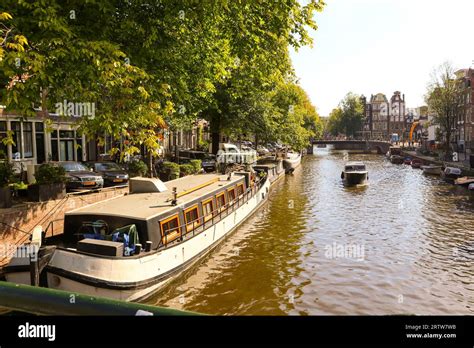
(296,255)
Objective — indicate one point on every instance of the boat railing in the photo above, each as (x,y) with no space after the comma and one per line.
(192,228)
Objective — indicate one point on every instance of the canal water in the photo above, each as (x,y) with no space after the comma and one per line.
(404,244)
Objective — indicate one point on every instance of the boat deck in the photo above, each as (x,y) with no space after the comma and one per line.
(145,205)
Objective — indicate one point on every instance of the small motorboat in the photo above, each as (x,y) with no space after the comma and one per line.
(450,174)
(471,187)
(396,159)
(416,163)
(355,173)
(432,169)
(464,181)
(407,160)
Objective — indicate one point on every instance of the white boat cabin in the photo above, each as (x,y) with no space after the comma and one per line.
(355,167)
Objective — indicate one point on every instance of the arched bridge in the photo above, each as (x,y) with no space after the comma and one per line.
(381,147)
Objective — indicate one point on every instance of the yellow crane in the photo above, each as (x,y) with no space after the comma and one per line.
(413,126)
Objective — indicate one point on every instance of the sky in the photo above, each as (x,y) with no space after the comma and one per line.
(372,46)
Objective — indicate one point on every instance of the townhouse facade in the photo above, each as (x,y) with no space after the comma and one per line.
(464,123)
(384,117)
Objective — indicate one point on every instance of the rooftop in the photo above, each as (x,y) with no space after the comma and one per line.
(146,205)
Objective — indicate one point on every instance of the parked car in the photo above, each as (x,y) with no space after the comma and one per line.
(208,161)
(111,172)
(80,177)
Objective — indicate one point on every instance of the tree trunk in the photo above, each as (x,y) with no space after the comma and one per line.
(150,163)
(215,131)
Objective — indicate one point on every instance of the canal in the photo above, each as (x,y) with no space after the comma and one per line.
(402,245)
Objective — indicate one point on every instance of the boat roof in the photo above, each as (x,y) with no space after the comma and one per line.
(355,163)
(143,206)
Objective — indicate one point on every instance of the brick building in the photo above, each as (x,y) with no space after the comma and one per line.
(464,133)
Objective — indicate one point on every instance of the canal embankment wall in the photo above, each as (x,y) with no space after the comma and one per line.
(17,223)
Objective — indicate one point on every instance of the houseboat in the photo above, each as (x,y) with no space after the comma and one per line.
(129,247)
(272,168)
(291,161)
(355,173)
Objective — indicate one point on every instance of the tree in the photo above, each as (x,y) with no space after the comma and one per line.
(259,34)
(443,98)
(334,124)
(348,117)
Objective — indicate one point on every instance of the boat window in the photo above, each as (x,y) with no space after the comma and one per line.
(220,199)
(170,225)
(231,194)
(207,208)
(192,217)
(240,189)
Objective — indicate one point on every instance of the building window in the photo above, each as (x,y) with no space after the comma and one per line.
(16,146)
(28,139)
(3,135)
(65,147)
(39,138)
(191,216)
(207,209)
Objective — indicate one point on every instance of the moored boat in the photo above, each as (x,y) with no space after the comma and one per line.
(432,169)
(291,161)
(355,173)
(273,169)
(394,150)
(464,181)
(450,174)
(396,159)
(416,163)
(129,247)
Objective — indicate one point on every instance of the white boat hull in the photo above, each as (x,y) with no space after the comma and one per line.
(134,278)
(292,162)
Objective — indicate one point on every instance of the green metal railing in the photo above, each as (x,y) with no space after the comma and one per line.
(44,301)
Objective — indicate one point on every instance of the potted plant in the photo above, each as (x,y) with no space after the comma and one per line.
(6,176)
(50,183)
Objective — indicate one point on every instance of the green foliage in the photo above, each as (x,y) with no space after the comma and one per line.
(348,117)
(171,170)
(6,173)
(444,98)
(50,174)
(186,169)
(137,168)
(197,165)
(20,186)
(147,65)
